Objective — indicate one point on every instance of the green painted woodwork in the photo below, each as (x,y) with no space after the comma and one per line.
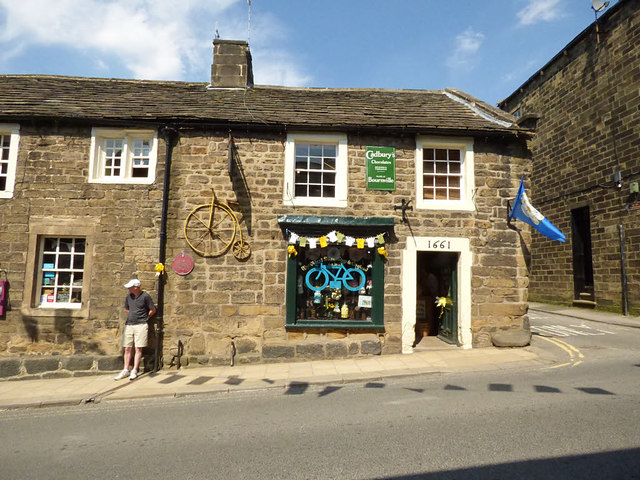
(448,328)
(377,302)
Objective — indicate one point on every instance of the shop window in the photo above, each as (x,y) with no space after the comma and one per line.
(58,267)
(60,272)
(336,286)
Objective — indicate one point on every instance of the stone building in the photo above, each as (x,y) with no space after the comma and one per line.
(356,209)
(586,166)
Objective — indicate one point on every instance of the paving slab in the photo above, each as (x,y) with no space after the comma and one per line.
(39,393)
(588,314)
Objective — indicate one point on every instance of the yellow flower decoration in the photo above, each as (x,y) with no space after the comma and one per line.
(382,251)
(443,303)
(292,251)
(159,269)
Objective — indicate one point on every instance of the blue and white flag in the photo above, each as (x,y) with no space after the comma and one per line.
(523,210)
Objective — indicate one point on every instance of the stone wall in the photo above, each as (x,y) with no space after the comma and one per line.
(53,195)
(228,310)
(225,302)
(589,128)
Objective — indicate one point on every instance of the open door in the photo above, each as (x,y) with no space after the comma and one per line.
(448,327)
(582,256)
(437,276)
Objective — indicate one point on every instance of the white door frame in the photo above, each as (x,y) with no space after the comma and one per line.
(409,278)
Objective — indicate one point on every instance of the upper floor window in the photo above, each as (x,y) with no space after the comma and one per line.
(316,170)
(444,173)
(123,156)
(9,138)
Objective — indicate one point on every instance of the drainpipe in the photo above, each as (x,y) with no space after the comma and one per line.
(170,136)
(623,272)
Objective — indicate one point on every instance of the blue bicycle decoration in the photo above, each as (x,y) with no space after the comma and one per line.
(321,275)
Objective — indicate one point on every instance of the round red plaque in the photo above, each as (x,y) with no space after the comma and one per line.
(182,264)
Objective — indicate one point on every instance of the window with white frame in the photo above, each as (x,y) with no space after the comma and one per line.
(9,138)
(123,156)
(444,168)
(60,272)
(316,170)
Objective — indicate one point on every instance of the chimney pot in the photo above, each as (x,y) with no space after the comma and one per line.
(231,66)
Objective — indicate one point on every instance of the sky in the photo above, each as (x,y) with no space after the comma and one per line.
(486,48)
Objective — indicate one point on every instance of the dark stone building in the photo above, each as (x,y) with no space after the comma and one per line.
(586,164)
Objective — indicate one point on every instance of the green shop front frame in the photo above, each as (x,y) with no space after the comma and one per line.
(310,285)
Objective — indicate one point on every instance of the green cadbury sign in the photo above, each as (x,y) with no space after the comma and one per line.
(381,168)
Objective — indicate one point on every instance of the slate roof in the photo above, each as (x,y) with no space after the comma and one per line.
(187,103)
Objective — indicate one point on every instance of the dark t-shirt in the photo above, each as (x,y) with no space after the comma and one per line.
(138,308)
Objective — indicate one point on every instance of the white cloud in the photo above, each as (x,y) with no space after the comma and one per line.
(153,39)
(467,46)
(521,73)
(275,68)
(540,11)
(273,65)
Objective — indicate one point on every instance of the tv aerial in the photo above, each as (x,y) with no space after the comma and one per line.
(598,6)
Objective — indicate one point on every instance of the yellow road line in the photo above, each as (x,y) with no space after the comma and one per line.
(573,352)
(557,366)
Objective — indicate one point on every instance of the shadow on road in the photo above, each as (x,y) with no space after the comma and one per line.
(606,465)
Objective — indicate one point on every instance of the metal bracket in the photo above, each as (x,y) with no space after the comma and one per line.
(404,207)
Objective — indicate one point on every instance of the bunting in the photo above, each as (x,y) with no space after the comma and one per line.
(336,238)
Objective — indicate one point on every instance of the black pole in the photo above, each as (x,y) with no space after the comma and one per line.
(623,272)
(169,134)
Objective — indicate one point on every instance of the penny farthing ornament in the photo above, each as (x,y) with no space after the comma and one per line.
(213,229)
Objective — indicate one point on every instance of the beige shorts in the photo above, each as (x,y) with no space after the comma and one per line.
(135,334)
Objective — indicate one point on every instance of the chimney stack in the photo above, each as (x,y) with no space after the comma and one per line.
(231,66)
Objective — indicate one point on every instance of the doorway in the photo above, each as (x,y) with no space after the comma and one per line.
(582,257)
(436,278)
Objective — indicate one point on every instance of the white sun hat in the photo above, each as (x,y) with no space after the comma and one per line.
(133,283)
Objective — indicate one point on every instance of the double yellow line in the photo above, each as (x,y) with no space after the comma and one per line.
(575,356)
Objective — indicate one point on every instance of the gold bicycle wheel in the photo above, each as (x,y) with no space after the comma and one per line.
(210,231)
(241,250)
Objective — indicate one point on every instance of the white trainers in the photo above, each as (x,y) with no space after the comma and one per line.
(134,375)
(122,374)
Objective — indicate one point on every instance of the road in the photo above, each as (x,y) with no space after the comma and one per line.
(576,419)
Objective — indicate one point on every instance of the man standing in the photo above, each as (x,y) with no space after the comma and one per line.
(140,309)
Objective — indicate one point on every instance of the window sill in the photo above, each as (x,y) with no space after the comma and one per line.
(336,324)
(316,202)
(123,181)
(58,306)
(66,311)
(440,205)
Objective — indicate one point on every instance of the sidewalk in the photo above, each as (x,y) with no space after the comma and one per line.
(587,314)
(210,380)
